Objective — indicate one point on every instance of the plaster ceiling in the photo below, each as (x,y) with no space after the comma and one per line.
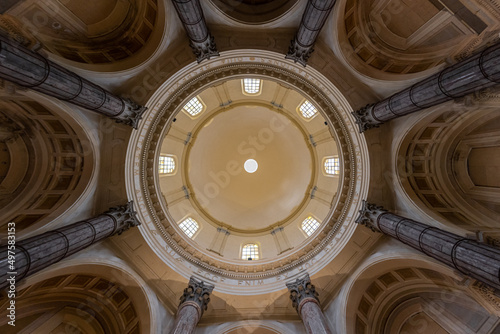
(225,191)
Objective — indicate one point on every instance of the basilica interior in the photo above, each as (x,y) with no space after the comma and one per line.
(247,167)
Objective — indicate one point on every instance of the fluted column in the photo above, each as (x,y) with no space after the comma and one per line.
(479,71)
(313,19)
(191,16)
(193,303)
(31,70)
(478,260)
(36,253)
(305,300)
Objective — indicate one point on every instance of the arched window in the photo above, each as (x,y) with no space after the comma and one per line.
(194,107)
(251,86)
(189,226)
(308,110)
(309,225)
(332,166)
(166,165)
(250,252)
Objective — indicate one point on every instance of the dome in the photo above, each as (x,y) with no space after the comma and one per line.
(212,213)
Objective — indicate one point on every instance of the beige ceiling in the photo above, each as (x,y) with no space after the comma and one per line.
(225,191)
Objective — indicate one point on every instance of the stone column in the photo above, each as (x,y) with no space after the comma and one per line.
(193,303)
(313,19)
(31,70)
(305,300)
(470,257)
(191,16)
(36,253)
(479,71)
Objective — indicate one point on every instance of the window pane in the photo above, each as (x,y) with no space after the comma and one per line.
(251,86)
(309,225)
(332,166)
(307,109)
(250,252)
(193,107)
(166,165)
(189,226)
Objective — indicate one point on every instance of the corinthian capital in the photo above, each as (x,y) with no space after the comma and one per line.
(300,290)
(369,214)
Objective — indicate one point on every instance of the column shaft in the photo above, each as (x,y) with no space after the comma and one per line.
(201,41)
(39,252)
(479,71)
(305,301)
(31,70)
(186,320)
(478,260)
(313,19)
(193,303)
(314,320)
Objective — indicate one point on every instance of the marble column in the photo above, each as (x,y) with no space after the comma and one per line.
(472,258)
(193,303)
(31,70)
(479,71)
(313,19)
(36,253)
(193,20)
(305,301)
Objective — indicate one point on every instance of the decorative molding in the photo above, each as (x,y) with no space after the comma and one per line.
(176,101)
(488,294)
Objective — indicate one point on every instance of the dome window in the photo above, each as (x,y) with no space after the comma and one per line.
(166,165)
(250,252)
(308,110)
(194,107)
(189,226)
(332,166)
(309,225)
(251,86)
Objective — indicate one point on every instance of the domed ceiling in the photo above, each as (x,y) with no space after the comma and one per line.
(202,207)
(225,192)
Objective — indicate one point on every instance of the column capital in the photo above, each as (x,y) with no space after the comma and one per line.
(204,50)
(132,114)
(125,217)
(302,291)
(369,214)
(197,294)
(298,53)
(364,118)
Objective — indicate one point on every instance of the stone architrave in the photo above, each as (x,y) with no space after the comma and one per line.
(39,252)
(193,303)
(472,258)
(469,76)
(305,301)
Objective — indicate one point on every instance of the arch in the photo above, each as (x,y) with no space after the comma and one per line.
(52,162)
(106,280)
(435,173)
(393,40)
(254,12)
(389,279)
